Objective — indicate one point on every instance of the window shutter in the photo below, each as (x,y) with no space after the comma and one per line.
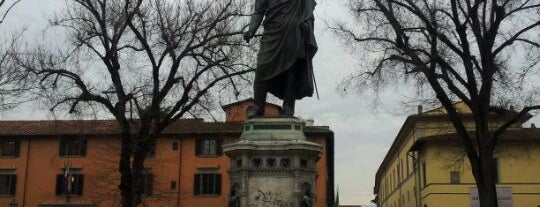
(59,184)
(219,142)
(198,147)
(62,148)
(13,184)
(80,184)
(84,144)
(196,184)
(218,184)
(17,147)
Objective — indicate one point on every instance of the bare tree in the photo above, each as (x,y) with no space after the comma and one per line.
(475,51)
(148,63)
(12,81)
(5,7)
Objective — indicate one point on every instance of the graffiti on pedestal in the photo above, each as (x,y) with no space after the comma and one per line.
(271,199)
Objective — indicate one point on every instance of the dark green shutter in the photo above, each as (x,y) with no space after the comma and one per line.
(80,184)
(59,184)
(219,143)
(218,184)
(62,148)
(17,148)
(13,184)
(198,147)
(84,144)
(196,184)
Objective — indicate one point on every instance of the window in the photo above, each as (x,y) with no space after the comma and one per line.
(238,163)
(270,162)
(73,146)
(408,170)
(9,148)
(402,171)
(398,174)
(256,162)
(8,182)
(454,177)
(205,147)
(303,163)
(285,162)
(70,182)
(173,185)
(175,146)
(148,182)
(207,184)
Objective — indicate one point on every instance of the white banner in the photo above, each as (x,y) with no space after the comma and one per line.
(504,197)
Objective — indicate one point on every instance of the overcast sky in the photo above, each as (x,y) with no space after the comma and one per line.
(363,134)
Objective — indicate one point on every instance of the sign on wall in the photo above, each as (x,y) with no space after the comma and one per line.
(504,197)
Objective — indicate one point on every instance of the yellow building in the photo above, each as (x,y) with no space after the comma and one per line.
(427,167)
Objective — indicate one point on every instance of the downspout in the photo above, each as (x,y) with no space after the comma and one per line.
(416,169)
(179,189)
(330,168)
(26,171)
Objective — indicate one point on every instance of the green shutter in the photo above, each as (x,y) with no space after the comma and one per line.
(219,143)
(13,184)
(62,148)
(196,184)
(198,147)
(17,148)
(218,184)
(80,184)
(84,144)
(59,184)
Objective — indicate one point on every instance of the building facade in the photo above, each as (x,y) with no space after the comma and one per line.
(427,167)
(75,163)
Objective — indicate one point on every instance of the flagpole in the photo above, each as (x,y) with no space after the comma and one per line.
(67,179)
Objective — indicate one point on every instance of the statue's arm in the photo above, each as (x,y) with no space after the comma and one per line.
(258,15)
(256,18)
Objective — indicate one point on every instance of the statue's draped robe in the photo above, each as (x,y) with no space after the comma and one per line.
(288,43)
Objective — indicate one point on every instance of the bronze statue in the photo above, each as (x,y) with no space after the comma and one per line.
(284,62)
(234,198)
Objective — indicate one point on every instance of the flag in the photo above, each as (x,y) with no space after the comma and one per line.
(336,201)
(67,180)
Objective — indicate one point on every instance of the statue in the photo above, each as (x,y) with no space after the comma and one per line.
(307,200)
(284,62)
(234,199)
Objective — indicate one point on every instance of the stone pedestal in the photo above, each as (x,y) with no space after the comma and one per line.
(273,165)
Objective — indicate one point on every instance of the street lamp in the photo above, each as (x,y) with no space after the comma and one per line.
(13,203)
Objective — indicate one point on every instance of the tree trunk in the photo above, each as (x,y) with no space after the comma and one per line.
(126,179)
(486,171)
(486,181)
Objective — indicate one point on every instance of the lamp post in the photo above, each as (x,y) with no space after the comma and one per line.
(13,203)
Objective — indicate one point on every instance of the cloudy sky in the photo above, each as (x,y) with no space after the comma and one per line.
(363,132)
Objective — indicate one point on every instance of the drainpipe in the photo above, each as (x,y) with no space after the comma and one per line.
(26,171)
(178,186)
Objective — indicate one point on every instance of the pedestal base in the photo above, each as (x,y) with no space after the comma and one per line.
(273,164)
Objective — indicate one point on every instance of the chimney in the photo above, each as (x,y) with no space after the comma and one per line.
(533,126)
(420,109)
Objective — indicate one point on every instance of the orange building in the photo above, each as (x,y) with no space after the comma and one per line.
(187,168)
